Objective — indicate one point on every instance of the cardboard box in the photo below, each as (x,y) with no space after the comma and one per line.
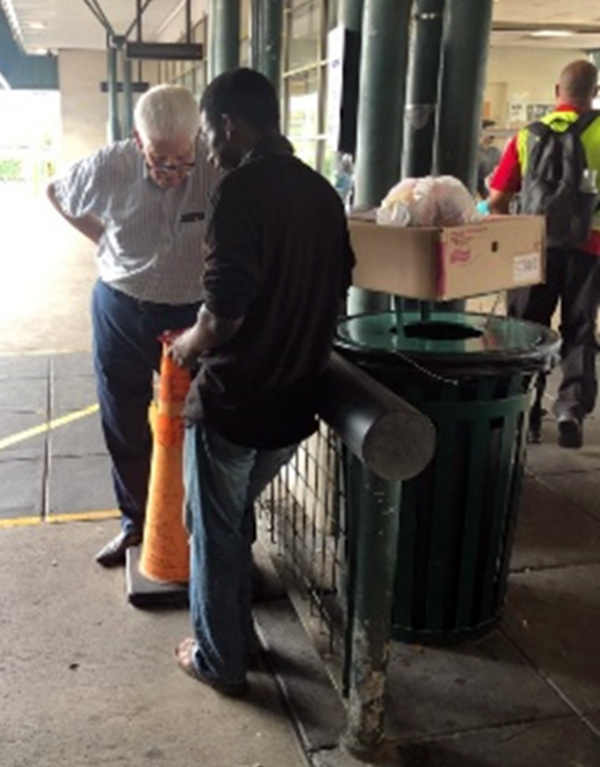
(497,253)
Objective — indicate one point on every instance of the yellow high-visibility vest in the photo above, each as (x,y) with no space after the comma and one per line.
(560,121)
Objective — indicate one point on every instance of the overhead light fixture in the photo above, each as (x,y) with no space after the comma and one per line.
(36,25)
(552,33)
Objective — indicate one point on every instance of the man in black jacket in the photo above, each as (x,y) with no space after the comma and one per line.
(278,262)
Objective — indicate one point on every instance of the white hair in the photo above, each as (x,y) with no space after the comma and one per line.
(167,112)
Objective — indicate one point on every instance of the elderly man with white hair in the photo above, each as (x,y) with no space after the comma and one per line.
(142,201)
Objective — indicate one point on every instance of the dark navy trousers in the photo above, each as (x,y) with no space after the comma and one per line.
(126,353)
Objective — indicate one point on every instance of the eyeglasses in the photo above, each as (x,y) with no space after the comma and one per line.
(180,167)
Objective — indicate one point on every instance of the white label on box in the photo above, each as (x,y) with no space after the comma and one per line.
(526,268)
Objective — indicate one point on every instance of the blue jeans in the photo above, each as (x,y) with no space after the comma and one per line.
(222,480)
(126,353)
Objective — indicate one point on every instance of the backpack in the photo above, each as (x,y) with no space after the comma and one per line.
(555,183)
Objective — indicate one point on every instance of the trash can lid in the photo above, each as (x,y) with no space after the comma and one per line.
(481,342)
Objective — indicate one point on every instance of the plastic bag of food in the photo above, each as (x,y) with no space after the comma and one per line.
(428,201)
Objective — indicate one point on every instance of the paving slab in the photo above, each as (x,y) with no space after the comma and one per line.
(80,483)
(79,438)
(581,489)
(315,704)
(86,679)
(25,395)
(594,722)
(22,484)
(72,394)
(15,438)
(553,617)
(551,529)
(548,458)
(563,742)
(71,365)
(476,684)
(22,367)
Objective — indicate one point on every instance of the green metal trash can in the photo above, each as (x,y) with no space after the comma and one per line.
(473,375)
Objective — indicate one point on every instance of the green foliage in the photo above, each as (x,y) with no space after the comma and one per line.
(11,169)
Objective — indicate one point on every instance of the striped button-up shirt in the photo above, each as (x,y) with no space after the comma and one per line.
(153,244)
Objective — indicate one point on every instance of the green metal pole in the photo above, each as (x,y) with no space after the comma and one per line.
(127,98)
(423,87)
(376,517)
(381,100)
(350,14)
(114,126)
(422,97)
(256,23)
(467,27)
(384,57)
(224,30)
(271,38)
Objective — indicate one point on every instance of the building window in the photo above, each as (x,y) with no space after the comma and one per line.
(306,23)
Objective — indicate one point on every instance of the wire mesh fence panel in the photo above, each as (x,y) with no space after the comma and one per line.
(302,515)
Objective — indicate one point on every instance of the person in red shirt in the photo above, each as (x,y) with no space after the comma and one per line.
(572,274)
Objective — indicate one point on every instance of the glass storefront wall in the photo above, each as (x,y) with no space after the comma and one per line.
(306,24)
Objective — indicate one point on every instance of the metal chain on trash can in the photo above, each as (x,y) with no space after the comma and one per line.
(425,371)
(436,376)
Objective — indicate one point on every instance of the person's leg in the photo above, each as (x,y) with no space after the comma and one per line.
(266,467)
(124,368)
(126,351)
(538,304)
(578,388)
(217,479)
(220,478)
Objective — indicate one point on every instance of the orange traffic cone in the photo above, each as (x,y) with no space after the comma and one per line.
(165,551)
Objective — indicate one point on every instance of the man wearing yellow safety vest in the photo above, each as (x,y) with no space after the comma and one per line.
(572,273)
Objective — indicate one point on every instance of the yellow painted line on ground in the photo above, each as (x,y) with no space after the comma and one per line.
(48,426)
(76,516)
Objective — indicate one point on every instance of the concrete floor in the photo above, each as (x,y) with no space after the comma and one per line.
(86,679)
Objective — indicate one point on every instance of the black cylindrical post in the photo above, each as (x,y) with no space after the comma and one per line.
(423,87)
(467,27)
(224,31)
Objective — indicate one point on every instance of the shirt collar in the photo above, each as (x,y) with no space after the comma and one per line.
(568,108)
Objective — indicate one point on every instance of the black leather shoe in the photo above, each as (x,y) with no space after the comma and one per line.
(113,554)
(570,433)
